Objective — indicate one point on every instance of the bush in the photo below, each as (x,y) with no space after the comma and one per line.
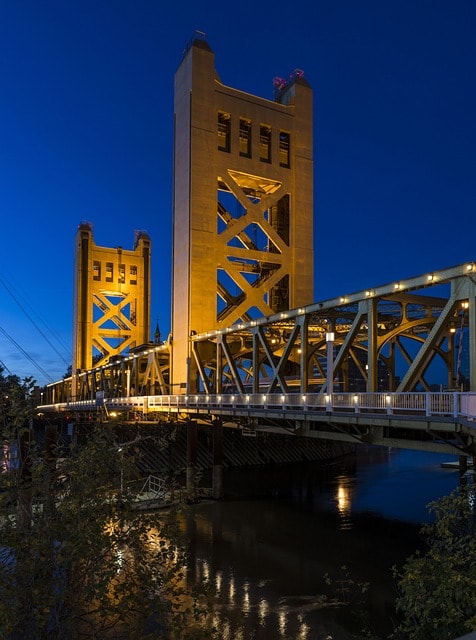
(437,590)
(78,561)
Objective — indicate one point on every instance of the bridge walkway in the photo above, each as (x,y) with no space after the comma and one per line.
(443,422)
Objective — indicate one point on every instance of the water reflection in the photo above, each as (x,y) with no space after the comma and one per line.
(245,607)
(345,487)
(282,622)
(231,591)
(263,611)
(218,579)
(304,630)
(268,547)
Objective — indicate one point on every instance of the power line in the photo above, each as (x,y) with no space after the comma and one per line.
(4,366)
(2,281)
(27,355)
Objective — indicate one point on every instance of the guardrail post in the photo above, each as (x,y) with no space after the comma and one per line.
(328,403)
(427,404)
(455,404)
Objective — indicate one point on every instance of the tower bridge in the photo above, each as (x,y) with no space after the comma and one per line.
(249,346)
(328,370)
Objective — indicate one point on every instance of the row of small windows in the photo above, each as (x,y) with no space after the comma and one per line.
(109,272)
(244,139)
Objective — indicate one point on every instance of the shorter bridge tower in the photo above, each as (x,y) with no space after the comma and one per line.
(111,311)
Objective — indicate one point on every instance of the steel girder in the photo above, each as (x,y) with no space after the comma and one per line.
(389,338)
(145,372)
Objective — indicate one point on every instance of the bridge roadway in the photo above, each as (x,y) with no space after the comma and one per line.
(441,422)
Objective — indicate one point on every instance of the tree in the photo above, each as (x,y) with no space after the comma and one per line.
(15,403)
(437,590)
(77,560)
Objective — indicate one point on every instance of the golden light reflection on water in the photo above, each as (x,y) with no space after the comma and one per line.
(282,622)
(218,581)
(263,610)
(231,591)
(304,629)
(246,597)
(205,570)
(240,606)
(222,626)
(343,497)
(303,632)
(343,501)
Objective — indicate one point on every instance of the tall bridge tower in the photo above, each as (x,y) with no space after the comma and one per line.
(243,203)
(111,300)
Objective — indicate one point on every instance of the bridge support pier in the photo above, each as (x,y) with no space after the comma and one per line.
(217,485)
(191,484)
(463,464)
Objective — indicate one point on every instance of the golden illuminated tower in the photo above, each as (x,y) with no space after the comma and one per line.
(111,299)
(243,202)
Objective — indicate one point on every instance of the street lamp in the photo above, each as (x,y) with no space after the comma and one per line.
(330,361)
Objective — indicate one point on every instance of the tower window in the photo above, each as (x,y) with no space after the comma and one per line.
(284,142)
(122,274)
(133,274)
(96,270)
(265,143)
(245,138)
(224,131)
(109,272)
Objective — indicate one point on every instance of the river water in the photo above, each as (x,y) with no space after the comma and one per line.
(285,536)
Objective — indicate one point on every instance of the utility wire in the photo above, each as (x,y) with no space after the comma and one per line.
(2,281)
(4,366)
(27,355)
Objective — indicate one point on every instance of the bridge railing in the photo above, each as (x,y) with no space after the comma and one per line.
(445,404)
(451,404)
(467,404)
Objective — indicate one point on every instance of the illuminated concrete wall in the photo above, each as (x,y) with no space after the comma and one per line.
(111,299)
(243,203)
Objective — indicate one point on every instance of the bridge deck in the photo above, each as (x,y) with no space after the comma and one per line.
(443,422)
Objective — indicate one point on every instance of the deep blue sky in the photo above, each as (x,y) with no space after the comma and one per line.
(86,118)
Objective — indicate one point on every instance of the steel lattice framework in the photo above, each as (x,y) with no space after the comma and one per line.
(386,338)
(111,301)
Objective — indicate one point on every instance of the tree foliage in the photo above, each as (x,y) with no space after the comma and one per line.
(15,403)
(78,560)
(437,590)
